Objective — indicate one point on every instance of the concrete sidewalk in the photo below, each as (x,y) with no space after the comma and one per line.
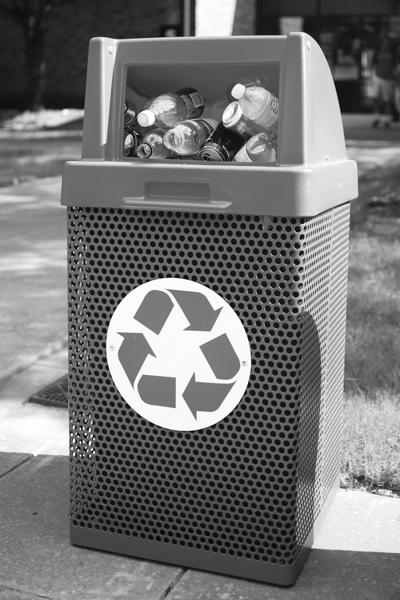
(355,557)
(33,266)
(33,314)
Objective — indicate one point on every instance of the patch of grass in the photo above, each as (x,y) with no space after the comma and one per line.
(25,159)
(371,442)
(373,315)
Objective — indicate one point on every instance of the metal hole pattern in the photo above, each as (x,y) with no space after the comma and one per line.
(251,485)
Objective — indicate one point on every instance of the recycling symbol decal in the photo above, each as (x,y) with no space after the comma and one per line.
(178,354)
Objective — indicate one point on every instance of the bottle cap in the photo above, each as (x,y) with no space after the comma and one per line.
(232,114)
(130,143)
(211,152)
(238,91)
(144,151)
(173,139)
(146,118)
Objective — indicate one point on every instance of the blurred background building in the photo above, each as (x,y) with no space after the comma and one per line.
(50,37)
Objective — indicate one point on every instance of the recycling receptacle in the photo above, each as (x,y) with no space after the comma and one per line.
(207,307)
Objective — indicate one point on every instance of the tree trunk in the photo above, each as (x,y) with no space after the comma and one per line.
(35,63)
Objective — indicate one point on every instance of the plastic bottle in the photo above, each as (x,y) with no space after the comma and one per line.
(152,146)
(258,148)
(130,114)
(130,142)
(214,109)
(187,137)
(222,144)
(260,80)
(273,135)
(257,104)
(233,118)
(168,109)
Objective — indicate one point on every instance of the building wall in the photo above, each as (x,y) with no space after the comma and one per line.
(244,21)
(292,8)
(69,30)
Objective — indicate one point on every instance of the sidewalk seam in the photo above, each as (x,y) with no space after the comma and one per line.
(173,583)
(47,353)
(29,592)
(11,469)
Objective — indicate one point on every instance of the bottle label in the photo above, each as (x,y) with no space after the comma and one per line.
(214,151)
(270,114)
(223,143)
(193,100)
(274,106)
(241,127)
(209,125)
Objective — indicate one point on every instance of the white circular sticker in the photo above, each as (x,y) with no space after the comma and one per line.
(178,354)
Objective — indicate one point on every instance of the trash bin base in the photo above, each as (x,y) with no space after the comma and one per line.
(283,575)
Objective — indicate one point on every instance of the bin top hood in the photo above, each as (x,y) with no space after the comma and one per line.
(311,146)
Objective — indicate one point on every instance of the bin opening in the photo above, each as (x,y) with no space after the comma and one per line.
(227,128)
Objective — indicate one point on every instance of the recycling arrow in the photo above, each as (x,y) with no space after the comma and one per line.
(154,310)
(157,390)
(178,354)
(221,357)
(132,353)
(205,397)
(197,310)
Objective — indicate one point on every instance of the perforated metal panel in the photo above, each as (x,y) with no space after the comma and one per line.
(241,496)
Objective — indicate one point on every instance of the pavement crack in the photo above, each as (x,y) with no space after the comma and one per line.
(36,596)
(173,583)
(11,469)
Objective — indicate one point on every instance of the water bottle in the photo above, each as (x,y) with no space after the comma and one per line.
(257,104)
(152,145)
(168,109)
(188,137)
(260,80)
(259,148)
(233,118)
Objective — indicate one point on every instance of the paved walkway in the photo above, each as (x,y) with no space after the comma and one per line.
(355,557)
(33,315)
(33,259)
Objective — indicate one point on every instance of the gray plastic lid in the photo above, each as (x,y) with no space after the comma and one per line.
(146,118)
(232,114)
(311,173)
(238,91)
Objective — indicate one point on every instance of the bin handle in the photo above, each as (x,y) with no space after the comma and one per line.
(213,205)
(185,194)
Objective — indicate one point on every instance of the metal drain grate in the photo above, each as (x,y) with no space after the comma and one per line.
(54,394)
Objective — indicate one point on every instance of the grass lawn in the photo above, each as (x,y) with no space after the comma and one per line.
(371,452)
(23,158)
